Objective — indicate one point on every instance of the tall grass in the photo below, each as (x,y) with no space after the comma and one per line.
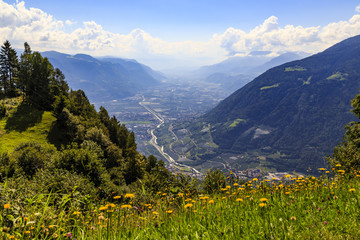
(293,208)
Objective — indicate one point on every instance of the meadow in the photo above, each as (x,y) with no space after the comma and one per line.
(325,207)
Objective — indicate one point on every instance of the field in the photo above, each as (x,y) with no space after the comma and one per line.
(292,208)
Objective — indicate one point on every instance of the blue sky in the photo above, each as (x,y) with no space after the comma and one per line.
(163,33)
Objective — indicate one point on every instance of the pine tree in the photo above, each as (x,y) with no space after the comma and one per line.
(9,65)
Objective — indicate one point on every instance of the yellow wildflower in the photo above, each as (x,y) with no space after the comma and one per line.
(180,194)
(263,199)
(189,205)
(117,197)
(126,206)
(262,204)
(211,201)
(352,190)
(129,195)
(155,213)
(6,206)
(239,200)
(204,198)
(255,179)
(169,211)
(338,165)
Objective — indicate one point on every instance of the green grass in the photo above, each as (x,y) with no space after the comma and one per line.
(272,86)
(293,208)
(338,76)
(24,125)
(295,69)
(236,122)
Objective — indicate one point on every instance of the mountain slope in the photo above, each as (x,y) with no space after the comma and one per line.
(298,109)
(103,79)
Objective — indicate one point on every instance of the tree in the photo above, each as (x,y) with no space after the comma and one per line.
(25,68)
(347,153)
(9,65)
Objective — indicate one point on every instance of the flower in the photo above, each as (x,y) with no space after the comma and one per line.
(103,208)
(169,211)
(180,194)
(263,199)
(155,213)
(322,169)
(76,213)
(338,165)
(236,184)
(27,232)
(255,179)
(6,206)
(239,200)
(204,198)
(126,206)
(211,201)
(189,205)
(293,218)
(117,197)
(129,195)
(262,204)
(352,190)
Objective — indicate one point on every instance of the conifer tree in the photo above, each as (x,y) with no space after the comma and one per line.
(9,65)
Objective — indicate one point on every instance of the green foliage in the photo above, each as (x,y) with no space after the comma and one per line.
(9,67)
(268,87)
(295,69)
(31,157)
(214,180)
(347,154)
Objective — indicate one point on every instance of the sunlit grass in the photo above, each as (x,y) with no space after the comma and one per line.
(294,208)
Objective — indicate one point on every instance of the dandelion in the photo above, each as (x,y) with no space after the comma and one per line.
(236,184)
(338,165)
(155,213)
(239,200)
(341,171)
(287,176)
(7,206)
(262,204)
(322,169)
(211,202)
(126,206)
(287,193)
(352,190)
(189,205)
(169,211)
(180,194)
(204,198)
(103,208)
(255,179)
(129,195)
(228,187)
(76,213)
(117,197)
(263,199)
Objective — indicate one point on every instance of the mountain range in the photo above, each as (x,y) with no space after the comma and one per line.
(104,78)
(289,117)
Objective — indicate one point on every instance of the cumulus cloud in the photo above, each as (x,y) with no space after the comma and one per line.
(357,9)
(44,32)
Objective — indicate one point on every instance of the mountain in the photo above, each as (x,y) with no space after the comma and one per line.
(235,72)
(292,115)
(104,79)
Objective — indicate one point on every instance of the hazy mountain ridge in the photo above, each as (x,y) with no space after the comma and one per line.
(104,79)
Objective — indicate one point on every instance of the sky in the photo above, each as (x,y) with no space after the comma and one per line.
(166,34)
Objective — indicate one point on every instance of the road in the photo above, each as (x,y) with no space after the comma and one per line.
(161,148)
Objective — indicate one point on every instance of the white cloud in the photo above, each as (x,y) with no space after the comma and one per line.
(357,9)
(19,24)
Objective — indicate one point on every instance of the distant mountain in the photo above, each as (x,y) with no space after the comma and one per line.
(104,79)
(292,115)
(235,72)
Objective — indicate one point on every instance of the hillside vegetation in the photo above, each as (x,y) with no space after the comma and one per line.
(70,172)
(293,115)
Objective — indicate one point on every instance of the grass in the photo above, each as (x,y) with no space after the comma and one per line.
(295,69)
(24,124)
(293,208)
(338,76)
(236,122)
(272,86)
